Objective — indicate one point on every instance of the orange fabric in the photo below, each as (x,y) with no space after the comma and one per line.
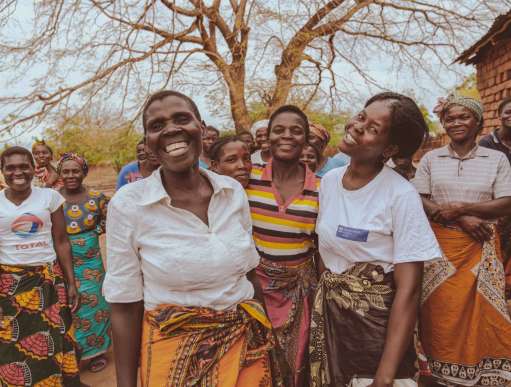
(463,316)
(160,353)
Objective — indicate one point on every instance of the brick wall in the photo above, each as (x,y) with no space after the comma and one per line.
(494,80)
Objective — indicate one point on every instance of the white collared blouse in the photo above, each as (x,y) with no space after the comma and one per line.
(166,255)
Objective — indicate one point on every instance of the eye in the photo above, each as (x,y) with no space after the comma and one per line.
(157,126)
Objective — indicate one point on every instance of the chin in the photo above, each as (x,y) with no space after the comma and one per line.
(179,167)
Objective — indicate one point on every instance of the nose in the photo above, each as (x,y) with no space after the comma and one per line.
(240,164)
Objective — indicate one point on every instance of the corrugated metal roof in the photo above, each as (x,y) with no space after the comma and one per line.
(471,55)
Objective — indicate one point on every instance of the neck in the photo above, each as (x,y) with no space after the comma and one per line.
(18,196)
(285,169)
(146,168)
(364,169)
(75,191)
(505,133)
(463,148)
(186,181)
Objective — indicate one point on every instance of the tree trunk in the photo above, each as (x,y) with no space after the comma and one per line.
(236,84)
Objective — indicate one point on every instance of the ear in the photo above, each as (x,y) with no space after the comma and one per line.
(389,152)
(214,166)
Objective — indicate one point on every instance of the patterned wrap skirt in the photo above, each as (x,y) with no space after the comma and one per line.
(92,320)
(37,346)
(197,346)
(288,289)
(349,326)
(465,325)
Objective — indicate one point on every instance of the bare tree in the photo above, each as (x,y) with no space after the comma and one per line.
(79,52)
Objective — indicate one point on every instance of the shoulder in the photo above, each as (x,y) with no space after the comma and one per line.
(95,194)
(331,179)
(130,167)
(46,193)
(340,159)
(128,196)
(435,153)
(396,183)
(487,140)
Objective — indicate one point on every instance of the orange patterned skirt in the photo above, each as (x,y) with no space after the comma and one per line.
(185,346)
(465,326)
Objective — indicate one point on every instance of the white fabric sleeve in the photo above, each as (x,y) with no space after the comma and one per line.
(55,199)
(422,179)
(502,184)
(123,281)
(414,241)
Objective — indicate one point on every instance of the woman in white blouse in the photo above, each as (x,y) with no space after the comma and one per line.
(179,249)
(373,239)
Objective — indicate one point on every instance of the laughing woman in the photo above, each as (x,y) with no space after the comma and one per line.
(373,239)
(230,156)
(37,346)
(85,213)
(179,249)
(465,188)
(283,197)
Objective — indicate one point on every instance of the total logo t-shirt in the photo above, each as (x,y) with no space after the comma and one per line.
(25,230)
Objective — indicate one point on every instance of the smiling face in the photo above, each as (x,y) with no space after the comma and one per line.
(505,116)
(261,139)
(141,153)
(173,134)
(317,141)
(309,157)
(460,124)
(234,161)
(287,136)
(18,172)
(367,134)
(42,155)
(72,175)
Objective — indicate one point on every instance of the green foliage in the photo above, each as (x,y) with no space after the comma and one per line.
(468,87)
(99,145)
(433,125)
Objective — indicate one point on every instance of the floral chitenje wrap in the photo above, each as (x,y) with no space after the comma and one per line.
(349,325)
(37,346)
(288,291)
(189,346)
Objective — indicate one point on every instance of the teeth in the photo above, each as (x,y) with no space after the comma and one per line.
(349,139)
(18,181)
(177,148)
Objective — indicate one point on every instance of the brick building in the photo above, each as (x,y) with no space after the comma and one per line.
(492,57)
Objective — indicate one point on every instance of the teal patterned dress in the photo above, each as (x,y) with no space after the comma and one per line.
(85,222)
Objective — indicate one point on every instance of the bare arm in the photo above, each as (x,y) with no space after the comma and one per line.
(491,209)
(403,316)
(258,291)
(127,332)
(430,207)
(65,256)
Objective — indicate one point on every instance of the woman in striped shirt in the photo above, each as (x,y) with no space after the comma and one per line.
(283,197)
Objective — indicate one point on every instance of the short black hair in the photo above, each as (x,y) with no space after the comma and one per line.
(244,133)
(218,145)
(158,96)
(16,150)
(502,104)
(141,142)
(408,128)
(290,109)
(209,127)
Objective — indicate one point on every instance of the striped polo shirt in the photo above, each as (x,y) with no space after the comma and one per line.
(282,231)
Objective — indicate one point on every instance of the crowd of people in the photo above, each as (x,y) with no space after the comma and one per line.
(258,260)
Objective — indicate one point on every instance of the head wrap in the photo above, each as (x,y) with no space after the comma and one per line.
(320,131)
(258,125)
(471,104)
(73,156)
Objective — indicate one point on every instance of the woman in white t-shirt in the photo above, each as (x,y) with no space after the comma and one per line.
(373,239)
(37,345)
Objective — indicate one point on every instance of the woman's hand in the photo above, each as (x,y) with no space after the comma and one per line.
(448,213)
(477,228)
(73,298)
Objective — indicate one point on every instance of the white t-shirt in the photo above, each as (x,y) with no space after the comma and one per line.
(25,230)
(256,158)
(383,223)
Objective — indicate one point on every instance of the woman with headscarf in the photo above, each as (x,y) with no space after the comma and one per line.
(465,327)
(319,138)
(85,214)
(37,284)
(260,132)
(283,198)
(374,238)
(45,174)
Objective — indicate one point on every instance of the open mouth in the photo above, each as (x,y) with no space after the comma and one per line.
(177,149)
(19,180)
(348,139)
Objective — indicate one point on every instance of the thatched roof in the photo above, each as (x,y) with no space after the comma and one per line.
(501,27)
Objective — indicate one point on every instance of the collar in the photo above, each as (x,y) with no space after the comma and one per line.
(310,177)
(154,191)
(477,151)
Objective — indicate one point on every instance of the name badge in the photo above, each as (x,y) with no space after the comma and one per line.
(352,234)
